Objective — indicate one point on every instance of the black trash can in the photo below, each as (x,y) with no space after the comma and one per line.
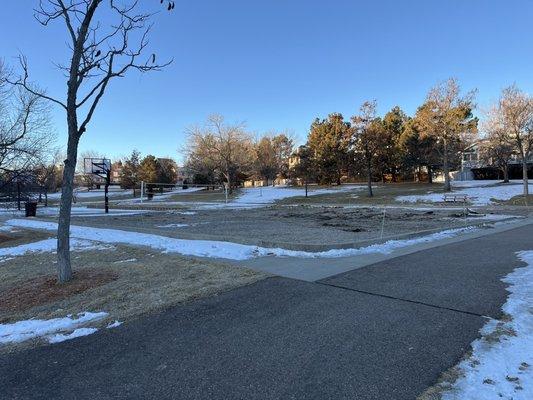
(31,208)
(150,195)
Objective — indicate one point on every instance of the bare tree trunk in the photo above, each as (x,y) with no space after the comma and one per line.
(228,178)
(524,177)
(506,173)
(369,173)
(430,175)
(64,270)
(446,168)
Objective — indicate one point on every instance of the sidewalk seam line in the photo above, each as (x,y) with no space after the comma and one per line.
(404,300)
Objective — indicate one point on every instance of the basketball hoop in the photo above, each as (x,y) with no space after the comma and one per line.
(102,168)
(97,166)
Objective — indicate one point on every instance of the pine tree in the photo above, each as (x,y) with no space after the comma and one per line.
(329,141)
(130,174)
(148,169)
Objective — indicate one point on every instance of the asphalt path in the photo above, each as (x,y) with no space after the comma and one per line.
(384,331)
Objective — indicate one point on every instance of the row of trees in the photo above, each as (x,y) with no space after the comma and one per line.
(372,147)
(394,145)
(217,151)
(136,169)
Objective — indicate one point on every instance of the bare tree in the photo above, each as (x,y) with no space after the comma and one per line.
(226,148)
(101,50)
(48,174)
(25,131)
(365,137)
(447,116)
(515,114)
(497,148)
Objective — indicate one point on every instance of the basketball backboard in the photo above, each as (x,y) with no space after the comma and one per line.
(97,166)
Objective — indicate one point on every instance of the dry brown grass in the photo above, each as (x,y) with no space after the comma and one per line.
(383,194)
(18,237)
(125,282)
(518,201)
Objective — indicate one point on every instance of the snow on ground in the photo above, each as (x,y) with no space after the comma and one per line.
(270,194)
(54,330)
(173,226)
(88,212)
(219,249)
(114,324)
(61,337)
(89,194)
(475,183)
(501,365)
(125,261)
(76,211)
(164,196)
(48,245)
(260,196)
(479,195)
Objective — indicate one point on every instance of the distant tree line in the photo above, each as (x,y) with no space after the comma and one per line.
(395,146)
(149,169)
(365,147)
(222,152)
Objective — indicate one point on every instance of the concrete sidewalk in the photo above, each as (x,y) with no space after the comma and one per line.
(313,269)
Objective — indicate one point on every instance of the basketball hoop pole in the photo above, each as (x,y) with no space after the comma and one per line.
(106,191)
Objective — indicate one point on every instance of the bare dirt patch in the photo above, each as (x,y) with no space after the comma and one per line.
(299,227)
(45,289)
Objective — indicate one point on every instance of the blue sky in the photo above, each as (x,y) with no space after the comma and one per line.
(278,64)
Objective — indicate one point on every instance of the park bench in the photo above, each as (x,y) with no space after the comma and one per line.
(455,198)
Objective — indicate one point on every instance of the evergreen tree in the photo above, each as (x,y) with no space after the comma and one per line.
(328,142)
(266,163)
(389,154)
(283,148)
(167,170)
(148,169)
(130,174)
(417,150)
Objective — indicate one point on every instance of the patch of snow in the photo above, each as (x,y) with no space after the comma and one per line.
(34,328)
(114,324)
(481,183)
(173,226)
(49,245)
(90,194)
(503,367)
(228,250)
(88,212)
(479,195)
(261,196)
(125,261)
(61,337)
(164,196)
